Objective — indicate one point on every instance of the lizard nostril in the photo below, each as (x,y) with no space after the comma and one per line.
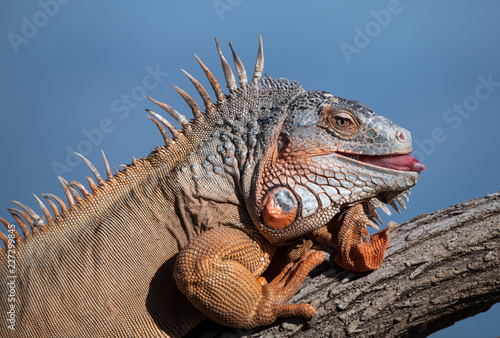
(400,136)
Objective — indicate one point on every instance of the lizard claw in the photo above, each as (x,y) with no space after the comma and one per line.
(284,286)
(262,281)
(327,256)
(314,319)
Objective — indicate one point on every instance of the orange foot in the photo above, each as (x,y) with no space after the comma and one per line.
(276,294)
(356,249)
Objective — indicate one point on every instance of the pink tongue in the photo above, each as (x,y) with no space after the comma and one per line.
(397,162)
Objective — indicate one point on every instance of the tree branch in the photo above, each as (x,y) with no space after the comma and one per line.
(439,268)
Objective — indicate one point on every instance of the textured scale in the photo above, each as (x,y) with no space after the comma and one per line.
(191,230)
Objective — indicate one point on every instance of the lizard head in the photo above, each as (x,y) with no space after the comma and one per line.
(331,153)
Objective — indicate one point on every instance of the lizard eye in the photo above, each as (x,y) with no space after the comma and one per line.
(342,122)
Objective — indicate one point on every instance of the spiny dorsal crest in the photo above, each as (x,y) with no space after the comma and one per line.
(31,223)
(219,93)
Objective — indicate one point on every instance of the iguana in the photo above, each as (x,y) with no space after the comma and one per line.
(224,221)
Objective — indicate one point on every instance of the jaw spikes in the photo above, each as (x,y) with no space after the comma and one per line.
(404,195)
(375,203)
(399,199)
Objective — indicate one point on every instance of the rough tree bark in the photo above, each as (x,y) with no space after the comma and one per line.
(439,268)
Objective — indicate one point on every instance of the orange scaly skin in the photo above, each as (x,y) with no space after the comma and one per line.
(243,190)
(236,260)
(355,249)
(355,252)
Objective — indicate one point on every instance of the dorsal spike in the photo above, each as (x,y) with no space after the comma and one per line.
(18,216)
(80,187)
(34,216)
(207,101)
(5,241)
(109,175)
(259,63)
(52,205)
(59,201)
(219,94)
(20,222)
(175,132)
(75,193)
(17,237)
(92,184)
(162,130)
(46,212)
(228,73)
(189,100)
(67,192)
(240,69)
(98,176)
(181,119)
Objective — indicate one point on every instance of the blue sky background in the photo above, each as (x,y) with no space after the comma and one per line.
(69,68)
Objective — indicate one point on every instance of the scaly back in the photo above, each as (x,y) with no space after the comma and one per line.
(106,256)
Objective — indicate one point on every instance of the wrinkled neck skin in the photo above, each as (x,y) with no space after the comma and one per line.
(232,144)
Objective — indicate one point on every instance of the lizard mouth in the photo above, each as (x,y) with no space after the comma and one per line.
(401,162)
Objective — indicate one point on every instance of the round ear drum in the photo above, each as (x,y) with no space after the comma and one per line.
(279,208)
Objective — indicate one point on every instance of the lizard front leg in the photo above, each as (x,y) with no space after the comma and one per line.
(219,273)
(355,249)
